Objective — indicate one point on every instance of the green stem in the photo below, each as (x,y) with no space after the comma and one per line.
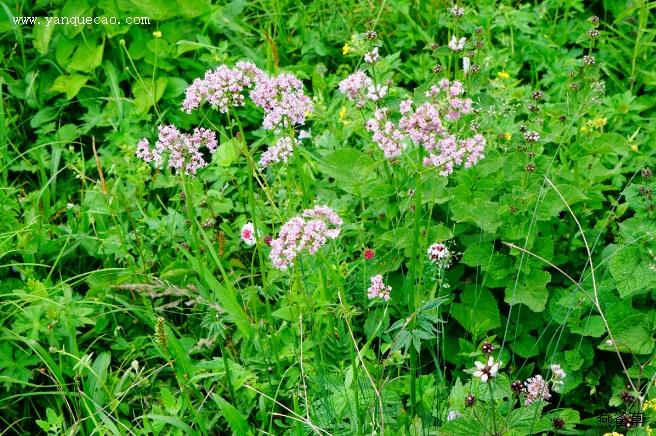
(494,412)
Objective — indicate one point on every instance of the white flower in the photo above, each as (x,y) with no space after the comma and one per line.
(305,134)
(248,234)
(457,44)
(486,371)
(372,57)
(466,65)
(558,372)
(453,414)
(376,92)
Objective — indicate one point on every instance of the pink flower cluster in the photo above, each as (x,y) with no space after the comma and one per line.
(283,100)
(281,97)
(536,389)
(453,152)
(222,87)
(184,150)
(425,126)
(280,152)
(378,289)
(385,133)
(310,231)
(354,87)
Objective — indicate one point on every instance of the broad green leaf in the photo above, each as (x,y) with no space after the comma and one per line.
(237,421)
(87,57)
(69,84)
(632,334)
(633,271)
(480,211)
(226,154)
(351,169)
(477,311)
(531,290)
(147,93)
(42,34)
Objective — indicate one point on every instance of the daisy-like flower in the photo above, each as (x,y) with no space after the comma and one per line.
(379,289)
(456,44)
(248,234)
(488,370)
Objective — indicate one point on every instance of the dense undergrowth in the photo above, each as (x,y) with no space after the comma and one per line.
(365,218)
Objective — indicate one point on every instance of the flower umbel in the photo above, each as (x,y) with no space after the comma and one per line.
(308,232)
(378,289)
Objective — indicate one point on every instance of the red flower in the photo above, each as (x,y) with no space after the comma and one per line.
(268,239)
(369,254)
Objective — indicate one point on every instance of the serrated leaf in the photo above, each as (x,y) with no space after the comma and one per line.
(531,290)
(632,271)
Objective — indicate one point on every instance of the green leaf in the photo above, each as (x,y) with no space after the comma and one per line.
(69,84)
(525,346)
(87,57)
(477,311)
(237,421)
(146,93)
(42,34)
(632,271)
(478,210)
(352,170)
(531,291)
(632,334)
(226,154)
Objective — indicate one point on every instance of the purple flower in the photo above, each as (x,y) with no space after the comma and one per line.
(280,152)
(183,150)
(378,289)
(308,232)
(354,86)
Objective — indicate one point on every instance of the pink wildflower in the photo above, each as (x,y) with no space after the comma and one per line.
(354,86)
(283,100)
(248,234)
(536,389)
(386,134)
(378,289)
(222,87)
(308,232)
(184,150)
(280,152)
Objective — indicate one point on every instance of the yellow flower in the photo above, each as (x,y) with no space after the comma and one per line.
(503,75)
(507,136)
(649,431)
(634,148)
(599,122)
(346,48)
(649,405)
(157,34)
(613,434)
(585,129)
(342,114)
